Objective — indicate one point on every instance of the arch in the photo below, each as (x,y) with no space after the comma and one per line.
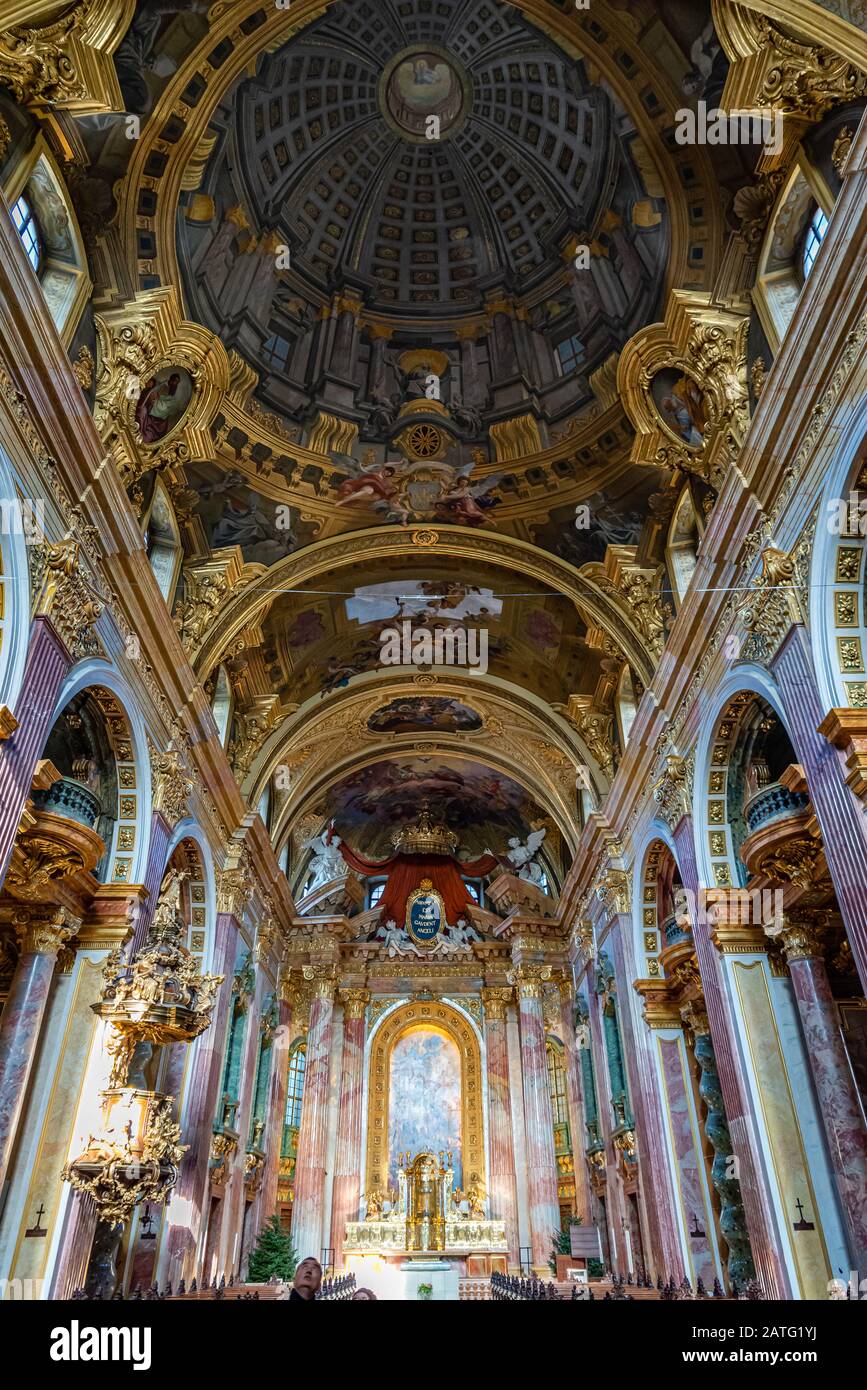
(605,606)
(681,547)
(204,918)
(394,1025)
(655,850)
(838,576)
(716,855)
(129,849)
(14,586)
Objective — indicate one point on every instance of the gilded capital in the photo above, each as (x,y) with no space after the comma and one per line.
(530,979)
(44,936)
(354,1002)
(801,937)
(496,1001)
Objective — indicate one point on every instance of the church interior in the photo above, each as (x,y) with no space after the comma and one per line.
(433,624)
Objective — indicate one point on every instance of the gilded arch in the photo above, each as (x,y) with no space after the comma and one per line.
(417,1014)
(593,595)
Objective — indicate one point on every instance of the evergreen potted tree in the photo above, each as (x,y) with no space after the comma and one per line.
(274,1255)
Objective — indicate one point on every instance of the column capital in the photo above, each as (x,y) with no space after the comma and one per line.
(496,1000)
(529,979)
(801,936)
(45,935)
(694,1016)
(354,1002)
(322,978)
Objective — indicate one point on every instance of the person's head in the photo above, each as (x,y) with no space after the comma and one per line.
(308,1277)
(365,1295)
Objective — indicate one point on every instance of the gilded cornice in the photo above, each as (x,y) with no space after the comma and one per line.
(64,61)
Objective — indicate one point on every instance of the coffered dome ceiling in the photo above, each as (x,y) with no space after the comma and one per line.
(326,151)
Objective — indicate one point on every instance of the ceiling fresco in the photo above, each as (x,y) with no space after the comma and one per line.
(385,268)
(483,806)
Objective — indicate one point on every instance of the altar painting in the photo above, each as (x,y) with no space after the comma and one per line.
(424,1110)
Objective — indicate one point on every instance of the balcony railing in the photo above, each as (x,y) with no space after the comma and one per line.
(70,799)
(773,802)
(675,929)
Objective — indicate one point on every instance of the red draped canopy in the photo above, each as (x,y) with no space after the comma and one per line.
(405,872)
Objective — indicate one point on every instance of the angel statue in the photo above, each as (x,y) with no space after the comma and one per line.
(522,857)
(327,861)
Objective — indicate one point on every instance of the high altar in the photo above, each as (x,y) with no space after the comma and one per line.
(428,1214)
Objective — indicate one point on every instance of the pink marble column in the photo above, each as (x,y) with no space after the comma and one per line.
(839,812)
(233,1206)
(577,1124)
(272,1139)
(761,1226)
(503,1189)
(40,939)
(838,1099)
(538,1122)
(346,1190)
(308,1207)
(188,1205)
(44,671)
(658,1198)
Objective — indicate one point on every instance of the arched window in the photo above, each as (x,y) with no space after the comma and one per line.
(557,1085)
(295,1085)
(375,890)
(815,235)
(27,229)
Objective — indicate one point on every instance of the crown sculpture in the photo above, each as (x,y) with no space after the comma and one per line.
(425,836)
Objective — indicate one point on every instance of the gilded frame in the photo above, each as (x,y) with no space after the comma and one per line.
(408,1016)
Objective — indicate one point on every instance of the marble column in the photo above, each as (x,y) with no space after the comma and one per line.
(839,812)
(543,1205)
(732,1219)
(663,1251)
(839,1104)
(740,1126)
(346,1188)
(308,1207)
(188,1205)
(503,1189)
(40,938)
(272,1140)
(577,1128)
(46,666)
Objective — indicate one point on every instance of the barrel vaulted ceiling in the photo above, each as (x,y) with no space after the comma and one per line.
(303,132)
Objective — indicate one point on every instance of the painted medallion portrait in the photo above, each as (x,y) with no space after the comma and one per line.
(681,405)
(163,403)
